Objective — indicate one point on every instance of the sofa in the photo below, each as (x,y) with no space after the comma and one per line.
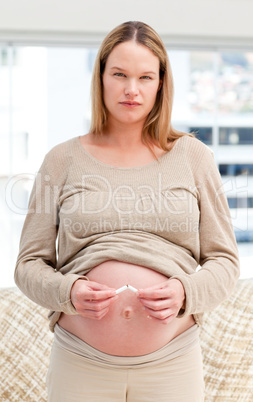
(226,340)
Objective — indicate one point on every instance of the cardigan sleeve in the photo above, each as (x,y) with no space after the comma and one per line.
(219,261)
(35,271)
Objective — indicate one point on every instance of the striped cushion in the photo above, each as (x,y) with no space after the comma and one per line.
(227,346)
(24,348)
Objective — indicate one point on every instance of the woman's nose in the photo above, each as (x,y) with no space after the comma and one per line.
(131,88)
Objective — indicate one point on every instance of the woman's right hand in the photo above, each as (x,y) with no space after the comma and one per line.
(92,299)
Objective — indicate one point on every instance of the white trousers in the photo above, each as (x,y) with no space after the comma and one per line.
(78,372)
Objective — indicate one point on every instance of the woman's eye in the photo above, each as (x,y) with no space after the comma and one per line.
(119,75)
(146,77)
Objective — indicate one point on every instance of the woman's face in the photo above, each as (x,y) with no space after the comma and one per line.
(130,83)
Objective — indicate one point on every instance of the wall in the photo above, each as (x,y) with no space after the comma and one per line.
(192,21)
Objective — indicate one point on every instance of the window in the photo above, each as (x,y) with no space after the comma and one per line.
(204,134)
(240,202)
(44,100)
(236,169)
(236,136)
(201,94)
(235,83)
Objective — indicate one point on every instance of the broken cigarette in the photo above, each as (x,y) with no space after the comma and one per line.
(121,289)
(132,288)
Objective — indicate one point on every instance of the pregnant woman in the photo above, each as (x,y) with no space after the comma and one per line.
(119,220)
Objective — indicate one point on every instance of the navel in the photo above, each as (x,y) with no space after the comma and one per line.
(127,313)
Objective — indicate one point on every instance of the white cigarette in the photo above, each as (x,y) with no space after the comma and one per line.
(132,288)
(121,289)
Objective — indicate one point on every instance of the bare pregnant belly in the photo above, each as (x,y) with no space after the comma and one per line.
(125,330)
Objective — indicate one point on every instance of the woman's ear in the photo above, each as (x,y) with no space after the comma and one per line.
(160,85)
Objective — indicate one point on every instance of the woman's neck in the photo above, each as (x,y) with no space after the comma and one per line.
(122,136)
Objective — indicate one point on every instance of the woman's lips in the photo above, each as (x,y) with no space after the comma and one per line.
(130,104)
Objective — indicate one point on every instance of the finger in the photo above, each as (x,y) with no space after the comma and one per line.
(94,315)
(83,304)
(161,285)
(91,294)
(157,304)
(161,315)
(100,304)
(155,293)
(99,286)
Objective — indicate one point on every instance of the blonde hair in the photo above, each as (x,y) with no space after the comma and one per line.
(157,128)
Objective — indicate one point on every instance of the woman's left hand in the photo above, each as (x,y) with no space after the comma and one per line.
(163,302)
